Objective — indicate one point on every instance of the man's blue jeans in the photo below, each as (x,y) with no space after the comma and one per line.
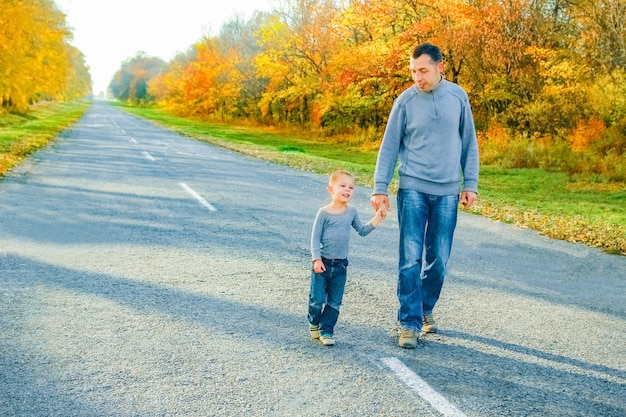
(427,224)
(326,294)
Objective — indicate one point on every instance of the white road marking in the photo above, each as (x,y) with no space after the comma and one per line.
(148,156)
(132,140)
(197,197)
(422,388)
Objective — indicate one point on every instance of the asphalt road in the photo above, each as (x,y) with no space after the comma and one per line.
(147,274)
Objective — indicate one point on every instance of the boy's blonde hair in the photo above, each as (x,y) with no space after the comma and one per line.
(334,175)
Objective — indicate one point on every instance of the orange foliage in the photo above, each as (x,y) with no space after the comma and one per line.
(209,83)
(585,133)
(496,135)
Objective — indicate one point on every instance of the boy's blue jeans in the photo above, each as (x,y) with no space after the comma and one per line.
(326,294)
(427,224)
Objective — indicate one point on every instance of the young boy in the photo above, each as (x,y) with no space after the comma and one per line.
(330,241)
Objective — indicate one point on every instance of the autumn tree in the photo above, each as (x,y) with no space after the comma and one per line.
(237,39)
(365,70)
(78,79)
(36,58)
(216,77)
(167,87)
(130,82)
(296,43)
(603,31)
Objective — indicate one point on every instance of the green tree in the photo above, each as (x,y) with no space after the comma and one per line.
(130,82)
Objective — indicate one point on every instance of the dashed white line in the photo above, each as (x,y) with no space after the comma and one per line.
(132,140)
(197,197)
(148,156)
(422,388)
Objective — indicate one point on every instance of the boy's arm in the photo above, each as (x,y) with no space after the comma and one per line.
(316,237)
(367,228)
(316,240)
(381,213)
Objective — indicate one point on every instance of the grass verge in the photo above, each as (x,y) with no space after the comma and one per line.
(23,134)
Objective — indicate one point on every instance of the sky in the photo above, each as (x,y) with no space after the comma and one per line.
(108,32)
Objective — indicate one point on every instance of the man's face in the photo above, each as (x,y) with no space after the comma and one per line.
(426,73)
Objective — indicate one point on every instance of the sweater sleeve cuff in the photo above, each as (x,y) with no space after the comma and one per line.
(470,186)
(380,188)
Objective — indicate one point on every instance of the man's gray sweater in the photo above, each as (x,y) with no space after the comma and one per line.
(434,137)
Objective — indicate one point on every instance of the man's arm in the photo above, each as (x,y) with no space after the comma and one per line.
(389,149)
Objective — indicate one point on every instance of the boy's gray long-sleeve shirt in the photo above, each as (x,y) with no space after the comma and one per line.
(330,237)
(434,137)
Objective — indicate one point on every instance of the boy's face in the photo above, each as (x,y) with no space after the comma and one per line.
(342,189)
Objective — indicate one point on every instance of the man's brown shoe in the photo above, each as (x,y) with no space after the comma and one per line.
(408,339)
(429,325)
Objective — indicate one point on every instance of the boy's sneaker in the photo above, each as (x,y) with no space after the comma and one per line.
(429,325)
(408,339)
(315,331)
(327,340)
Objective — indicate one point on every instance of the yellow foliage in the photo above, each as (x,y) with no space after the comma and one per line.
(35,58)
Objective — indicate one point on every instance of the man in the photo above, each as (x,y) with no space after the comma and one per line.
(431,130)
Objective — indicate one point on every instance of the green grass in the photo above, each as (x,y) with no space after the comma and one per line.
(23,134)
(554,194)
(585,212)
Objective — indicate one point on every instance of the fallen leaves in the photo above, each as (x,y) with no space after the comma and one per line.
(608,236)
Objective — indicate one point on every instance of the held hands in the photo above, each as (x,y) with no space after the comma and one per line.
(380,203)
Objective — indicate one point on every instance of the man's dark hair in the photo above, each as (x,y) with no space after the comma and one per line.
(429,49)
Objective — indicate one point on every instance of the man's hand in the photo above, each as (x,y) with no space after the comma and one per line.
(468,198)
(318,266)
(380,201)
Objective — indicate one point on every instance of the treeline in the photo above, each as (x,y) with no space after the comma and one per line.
(37,62)
(546,78)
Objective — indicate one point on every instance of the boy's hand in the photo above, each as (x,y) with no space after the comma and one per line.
(318,266)
(381,213)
